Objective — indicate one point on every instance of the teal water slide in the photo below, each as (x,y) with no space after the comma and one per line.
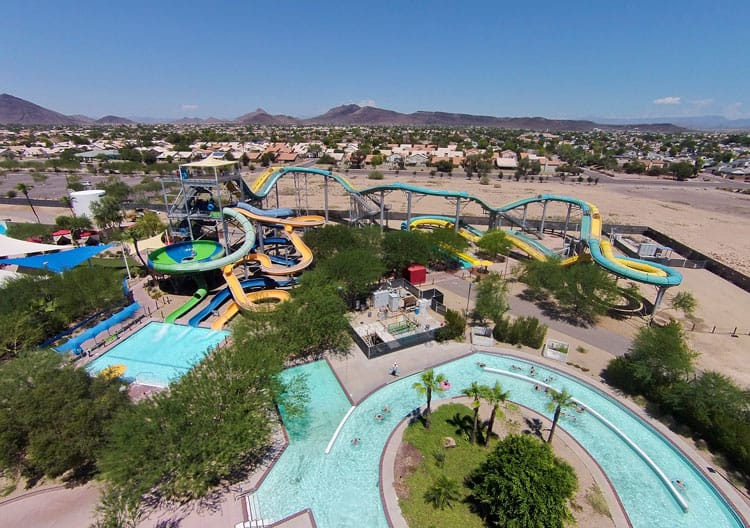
(657,274)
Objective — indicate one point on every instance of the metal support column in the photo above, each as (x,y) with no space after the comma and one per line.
(382,210)
(659,297)
(458,215)
(408,209)
(325,197)
(544,217)
(523,219)
(565,228)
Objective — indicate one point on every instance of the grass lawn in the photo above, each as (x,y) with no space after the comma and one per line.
(452,420)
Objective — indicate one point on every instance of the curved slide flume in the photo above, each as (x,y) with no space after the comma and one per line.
(222,296)
(251,301)
(638,270)
(158,259)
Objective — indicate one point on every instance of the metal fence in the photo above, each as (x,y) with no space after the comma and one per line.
(381,349)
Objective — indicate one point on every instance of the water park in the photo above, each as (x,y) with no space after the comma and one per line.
(231,247)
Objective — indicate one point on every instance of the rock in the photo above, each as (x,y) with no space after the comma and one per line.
(448,442)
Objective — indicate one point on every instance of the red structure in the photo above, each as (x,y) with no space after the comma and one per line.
(416,274)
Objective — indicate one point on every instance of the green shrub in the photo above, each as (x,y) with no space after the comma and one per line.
(524,330)
(375,175)
(454,328)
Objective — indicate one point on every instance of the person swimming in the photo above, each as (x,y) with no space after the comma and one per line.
(355,441)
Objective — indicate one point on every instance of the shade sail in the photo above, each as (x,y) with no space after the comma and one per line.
(12,247)
(58,262)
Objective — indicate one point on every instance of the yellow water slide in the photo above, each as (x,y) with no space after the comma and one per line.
(256,300)
(465,233)
(262,177)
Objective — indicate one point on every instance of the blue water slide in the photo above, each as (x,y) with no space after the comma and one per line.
(221,297)
(74,344)
(273,213)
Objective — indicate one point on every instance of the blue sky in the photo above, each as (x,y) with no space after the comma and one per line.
(575,59)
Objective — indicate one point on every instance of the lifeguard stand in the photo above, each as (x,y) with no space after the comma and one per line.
(197,195)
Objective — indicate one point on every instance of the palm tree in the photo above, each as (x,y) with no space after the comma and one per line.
(495,396)
(428,383)
(558,401)
(23,188)
(475,390)
(442,493)
(67,201)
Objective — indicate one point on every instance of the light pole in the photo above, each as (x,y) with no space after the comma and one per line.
(125,253)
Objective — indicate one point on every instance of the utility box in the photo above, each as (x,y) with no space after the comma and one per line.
(380,299)
(647,250)
(394,301)
(416,274)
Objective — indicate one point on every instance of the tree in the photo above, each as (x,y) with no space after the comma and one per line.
(147,225)
(377,160)
(495,242)
(523,484)
(267,158)
(428,383)
(56,414)
(356,159)
(492,297)
(106,212)
(659,358)
(682,170)
(67,201)
(585,290)
(403,248)
(75,224)
(444,166)
(685,302)
(314,321)
(24,189)
(475,391)
(495,396)
(354,269)
(559,400)
(116,189)
(443,492)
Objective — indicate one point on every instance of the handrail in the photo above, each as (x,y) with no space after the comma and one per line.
(338,429)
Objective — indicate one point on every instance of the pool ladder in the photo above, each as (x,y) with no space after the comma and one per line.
(255,519)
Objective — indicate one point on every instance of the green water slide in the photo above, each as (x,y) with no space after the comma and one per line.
(201,255)
(197,297)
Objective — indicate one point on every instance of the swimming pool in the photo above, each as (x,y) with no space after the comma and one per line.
(342,488)
(159,353)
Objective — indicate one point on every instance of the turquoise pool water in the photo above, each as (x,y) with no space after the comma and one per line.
(159,353)
(342,489)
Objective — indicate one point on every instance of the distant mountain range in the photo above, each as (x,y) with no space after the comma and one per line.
(694,122)
(14,110)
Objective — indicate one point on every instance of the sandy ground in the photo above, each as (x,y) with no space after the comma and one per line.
(707,219)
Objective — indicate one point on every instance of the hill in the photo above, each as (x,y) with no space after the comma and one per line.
(261,117)
(20,112)
(14,110)
(353,114)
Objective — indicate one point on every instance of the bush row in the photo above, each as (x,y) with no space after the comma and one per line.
(524,331)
